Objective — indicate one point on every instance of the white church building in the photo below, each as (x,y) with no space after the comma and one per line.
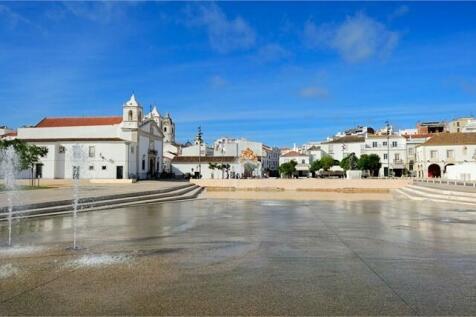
(116,147)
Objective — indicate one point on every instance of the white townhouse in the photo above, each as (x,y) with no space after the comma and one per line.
(303,162)
(268,156)
(341,147)
(441,151)
(392,151)
(116,147)
(270,160)
(412,142)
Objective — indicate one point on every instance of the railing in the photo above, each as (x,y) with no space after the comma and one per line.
(451,182)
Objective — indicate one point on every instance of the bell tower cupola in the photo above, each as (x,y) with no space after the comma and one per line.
(132,113)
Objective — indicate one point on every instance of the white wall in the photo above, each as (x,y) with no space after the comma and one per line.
(464,171)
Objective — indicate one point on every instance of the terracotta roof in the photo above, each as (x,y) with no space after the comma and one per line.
(73,139)
(8,134)
(347,139)
(452,139)
(204,159)
(292,153)
(418,135)
(77,122)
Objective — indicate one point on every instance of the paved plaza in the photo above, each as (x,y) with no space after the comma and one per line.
(237,257)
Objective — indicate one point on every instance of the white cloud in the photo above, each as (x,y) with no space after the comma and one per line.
(313,92)
(224,34)
(100,11)
(272,53)
(399,12)
(216,81)
(12,19)
(357,39)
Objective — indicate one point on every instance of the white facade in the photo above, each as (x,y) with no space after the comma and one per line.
(127,147)
(392,151)
(442,151)
(463,172)
(270,161)
(303,162)
(340,148)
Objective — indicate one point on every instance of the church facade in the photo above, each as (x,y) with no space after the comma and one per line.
(116,147)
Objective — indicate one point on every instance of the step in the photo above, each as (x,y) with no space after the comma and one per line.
(442,191)
(191,195)
(421,195)
(138,199)
(94,198)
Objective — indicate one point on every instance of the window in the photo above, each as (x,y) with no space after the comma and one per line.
(394,143)
(385,156)
(61,149)
(303,161)
(397,156)
(139,117)
(385,143)
(450,154)
(91,167)
(92,151)
(130,115)
(104,167)
(132,149)
(434,154)
(165,129)
(143,165)
(374,144)
(411,151)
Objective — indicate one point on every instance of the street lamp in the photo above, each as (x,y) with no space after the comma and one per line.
(199,140)
(387,125)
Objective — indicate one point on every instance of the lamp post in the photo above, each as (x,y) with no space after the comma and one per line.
(199,141)
(387,125)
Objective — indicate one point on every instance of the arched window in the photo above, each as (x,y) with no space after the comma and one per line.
(139,118)
(130,115)
(165,129)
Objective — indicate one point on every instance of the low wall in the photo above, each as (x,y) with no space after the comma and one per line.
(308,184)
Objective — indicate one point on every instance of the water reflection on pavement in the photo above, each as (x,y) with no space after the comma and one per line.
(216,257)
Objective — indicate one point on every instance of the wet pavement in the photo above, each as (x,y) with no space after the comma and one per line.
(237,257)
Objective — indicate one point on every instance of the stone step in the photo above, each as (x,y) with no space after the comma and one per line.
(441,191)
(94,198)
(417,194)
(107,204)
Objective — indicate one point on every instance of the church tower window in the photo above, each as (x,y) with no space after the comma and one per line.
(130,115)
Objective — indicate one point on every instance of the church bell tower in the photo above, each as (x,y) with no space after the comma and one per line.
(132,114)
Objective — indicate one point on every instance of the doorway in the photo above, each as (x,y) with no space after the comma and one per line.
(119,172)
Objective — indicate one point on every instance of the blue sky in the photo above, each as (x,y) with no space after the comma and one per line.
(279,72)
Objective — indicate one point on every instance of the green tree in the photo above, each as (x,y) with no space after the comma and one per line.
(349,162)
(327,162)
(315,166)
(369,163)
(212,167)
(29,154)
(288,169)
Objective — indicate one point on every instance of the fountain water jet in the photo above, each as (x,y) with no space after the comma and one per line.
(77,162)
(9,165)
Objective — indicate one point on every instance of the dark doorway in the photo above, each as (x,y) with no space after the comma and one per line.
(119,172)
(434,170)
(39,171)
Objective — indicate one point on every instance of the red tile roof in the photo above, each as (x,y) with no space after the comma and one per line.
(452,139)
(77,122)
(8,134)
(293,153)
